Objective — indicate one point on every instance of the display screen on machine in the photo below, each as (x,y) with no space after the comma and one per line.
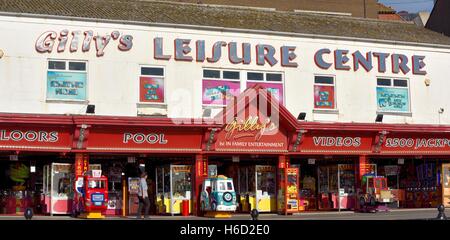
(97,198)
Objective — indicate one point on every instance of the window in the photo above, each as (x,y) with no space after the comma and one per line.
(273,82)
(220,86)
(231,75)
(221,186)
(229,186)
(276,77)
(66,80)
(211,73)
(393,95)
(151,85)
(324,92)
(254,76)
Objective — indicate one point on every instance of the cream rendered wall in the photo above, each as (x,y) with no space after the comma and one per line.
(113,78)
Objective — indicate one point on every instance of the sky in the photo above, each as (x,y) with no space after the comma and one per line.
(409,5)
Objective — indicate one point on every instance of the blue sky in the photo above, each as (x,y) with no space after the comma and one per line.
(409,5)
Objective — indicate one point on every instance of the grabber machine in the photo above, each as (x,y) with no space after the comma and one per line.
(91,195)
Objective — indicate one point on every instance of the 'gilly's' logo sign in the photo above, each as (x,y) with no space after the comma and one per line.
(249,128)
(47,40)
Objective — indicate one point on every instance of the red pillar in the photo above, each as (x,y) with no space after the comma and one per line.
(81,166)
(283,163)
(201,172)
(361,168)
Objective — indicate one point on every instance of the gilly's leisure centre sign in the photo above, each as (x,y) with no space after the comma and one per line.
(238,53)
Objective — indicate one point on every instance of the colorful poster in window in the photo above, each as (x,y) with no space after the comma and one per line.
(276,89)
(66,85)
(151,89)
(324,97)
(392,99)
(219,92)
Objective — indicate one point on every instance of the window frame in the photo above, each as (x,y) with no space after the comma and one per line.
(381,111)
(264,80)
(243,80)
(164,77)
(221,78)
(66,70)
(335,109)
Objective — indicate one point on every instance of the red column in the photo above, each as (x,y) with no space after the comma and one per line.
(81,164)
(201,172)
(283,163)
(360,170)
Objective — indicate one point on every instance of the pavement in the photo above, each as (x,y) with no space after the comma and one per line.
(394,214)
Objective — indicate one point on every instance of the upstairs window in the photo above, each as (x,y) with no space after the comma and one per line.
(393,95)
(324,92)
(151,85)
(273,82)
(220,86)
(66,80)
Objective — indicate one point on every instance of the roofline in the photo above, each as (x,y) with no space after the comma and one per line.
(224,29)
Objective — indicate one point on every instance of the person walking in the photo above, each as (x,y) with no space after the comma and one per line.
(143,196)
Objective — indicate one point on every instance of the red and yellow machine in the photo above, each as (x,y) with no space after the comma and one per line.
(375,193)
(91,198)
(288,201)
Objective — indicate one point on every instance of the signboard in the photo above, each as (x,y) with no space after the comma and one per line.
(35,138)
(66,85)
(276,89)
(252,133)
(322,142)
(219,92)
(324,97)
(151,89)
(191,50)
(392,99)
(416,144)
(142,140)
(81,41)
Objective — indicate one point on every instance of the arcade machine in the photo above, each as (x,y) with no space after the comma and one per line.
(173,185)
(288,196)
(92,192)
(58,191)
(257,188)
(114,191)
(133,199)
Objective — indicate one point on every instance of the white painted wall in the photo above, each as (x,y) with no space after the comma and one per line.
(113,78)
